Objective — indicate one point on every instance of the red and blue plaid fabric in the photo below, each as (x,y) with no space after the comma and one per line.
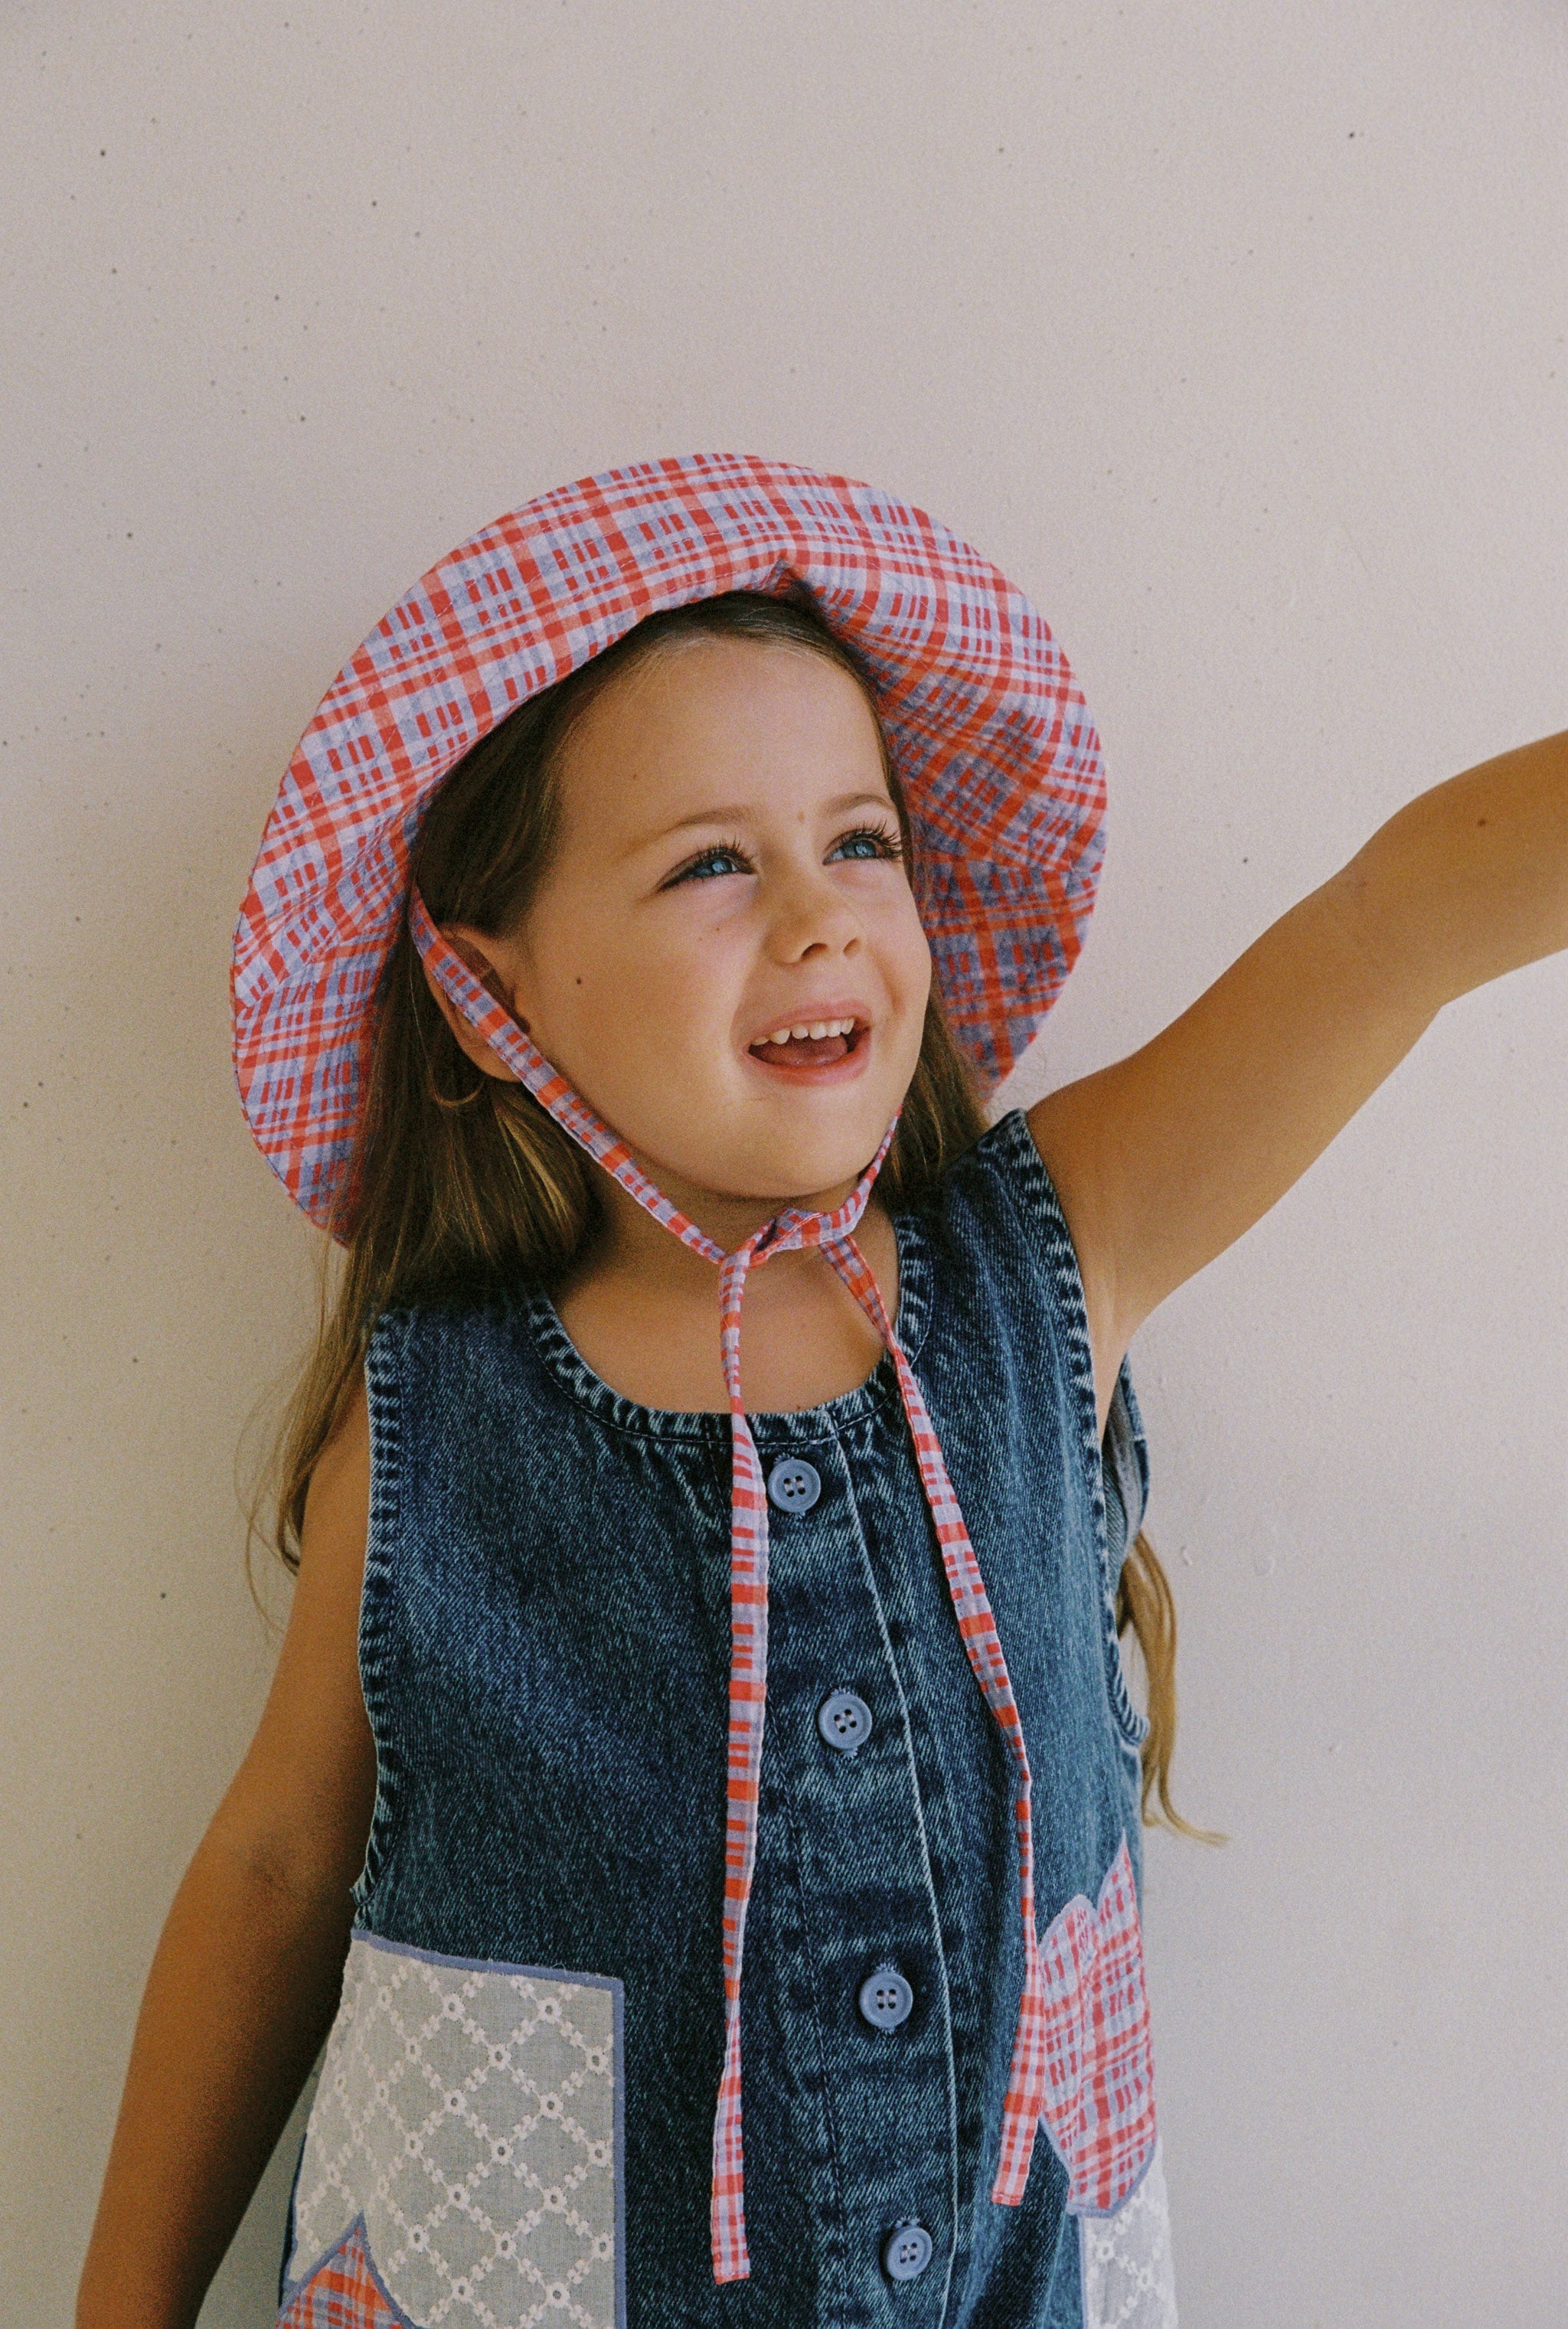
(343,2292)
(993,741)
(1098,2090)
(789,1232)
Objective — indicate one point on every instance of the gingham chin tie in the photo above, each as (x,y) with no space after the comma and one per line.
(789,1232)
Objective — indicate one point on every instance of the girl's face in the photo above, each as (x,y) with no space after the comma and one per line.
(729,872)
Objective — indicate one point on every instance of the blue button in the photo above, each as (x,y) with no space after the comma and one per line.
(793,1484)
(844,1721)
(907,2251)
(885,1998)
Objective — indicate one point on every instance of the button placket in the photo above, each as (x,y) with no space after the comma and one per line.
(887,2073)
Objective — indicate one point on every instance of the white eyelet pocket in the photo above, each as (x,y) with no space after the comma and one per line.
(468,2118)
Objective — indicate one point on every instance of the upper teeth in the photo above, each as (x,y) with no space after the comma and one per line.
(814,1032)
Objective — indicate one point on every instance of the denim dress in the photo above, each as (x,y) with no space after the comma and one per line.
(514,2124)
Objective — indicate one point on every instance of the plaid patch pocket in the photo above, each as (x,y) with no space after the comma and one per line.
(463,2159)
(1099,2107)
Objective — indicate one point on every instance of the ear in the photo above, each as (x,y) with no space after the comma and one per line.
(472,949)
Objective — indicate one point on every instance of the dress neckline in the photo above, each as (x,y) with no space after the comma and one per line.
(566,1364)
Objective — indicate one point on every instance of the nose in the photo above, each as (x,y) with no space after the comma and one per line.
(810,916)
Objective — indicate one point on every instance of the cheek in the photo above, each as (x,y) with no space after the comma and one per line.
(684,973)
(639,1005)
(909,959)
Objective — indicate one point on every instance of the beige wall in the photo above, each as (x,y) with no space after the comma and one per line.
(1236,335)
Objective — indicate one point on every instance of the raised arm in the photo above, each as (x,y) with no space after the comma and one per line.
(1165,1159)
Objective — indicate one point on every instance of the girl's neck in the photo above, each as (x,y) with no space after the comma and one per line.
(642,1308)
(628,1243)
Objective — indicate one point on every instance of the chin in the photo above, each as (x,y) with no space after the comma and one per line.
(783,1153)
(791,1169)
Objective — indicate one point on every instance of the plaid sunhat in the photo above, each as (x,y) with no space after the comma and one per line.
(994,745)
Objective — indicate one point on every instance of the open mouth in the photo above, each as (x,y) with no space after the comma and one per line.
(817,1043)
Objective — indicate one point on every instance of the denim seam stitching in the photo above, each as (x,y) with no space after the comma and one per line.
(377,1594)
(1128,1724)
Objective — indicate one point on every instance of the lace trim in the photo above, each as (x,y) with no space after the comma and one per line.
(1129,2282)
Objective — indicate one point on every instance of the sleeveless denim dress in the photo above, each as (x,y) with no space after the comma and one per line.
(514,2124)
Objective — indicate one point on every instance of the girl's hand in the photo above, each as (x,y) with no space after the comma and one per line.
(245,1978)
(1165,1159)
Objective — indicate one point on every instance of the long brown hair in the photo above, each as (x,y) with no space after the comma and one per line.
(458,1179)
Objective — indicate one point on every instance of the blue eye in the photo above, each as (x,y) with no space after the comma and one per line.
(869,841)
(712,863)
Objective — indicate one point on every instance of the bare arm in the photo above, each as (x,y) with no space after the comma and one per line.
(246,1977)
(1165,1159)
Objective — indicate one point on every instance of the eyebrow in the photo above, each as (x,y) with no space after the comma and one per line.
(740,812)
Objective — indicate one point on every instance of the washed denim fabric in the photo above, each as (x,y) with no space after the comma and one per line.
(545,1651)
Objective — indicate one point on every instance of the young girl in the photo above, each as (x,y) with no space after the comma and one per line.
(699,1801)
